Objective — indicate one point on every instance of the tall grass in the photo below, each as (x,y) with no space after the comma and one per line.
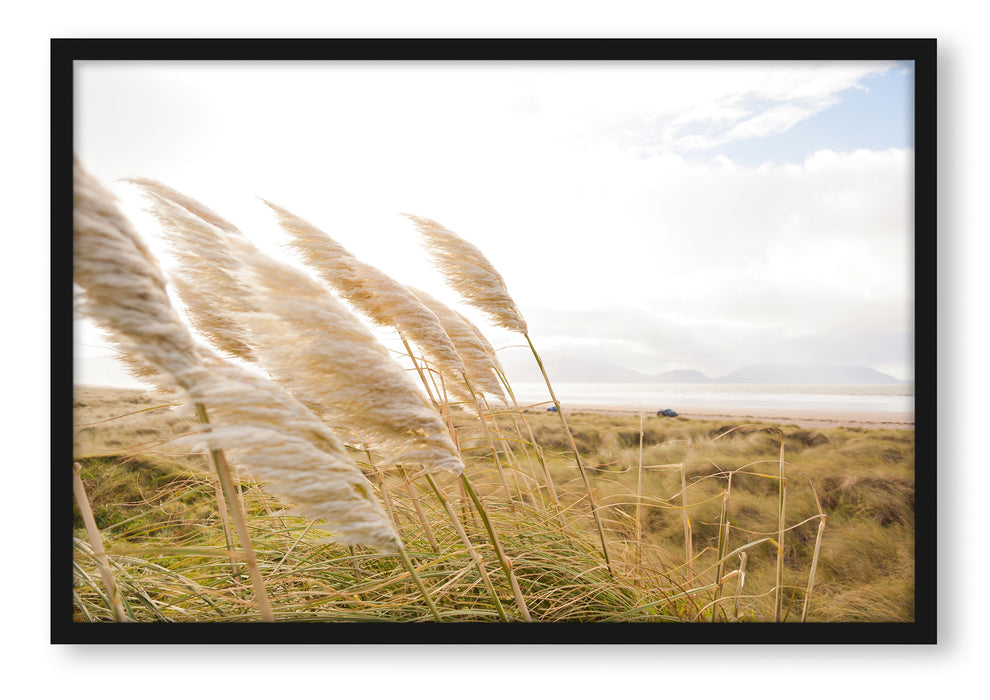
(495,513)
(469,272)
(155,506)
(274,436)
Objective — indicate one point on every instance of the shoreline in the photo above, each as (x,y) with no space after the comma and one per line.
(803,418)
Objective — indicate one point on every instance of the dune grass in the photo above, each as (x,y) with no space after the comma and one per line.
(863,479)
(157,515)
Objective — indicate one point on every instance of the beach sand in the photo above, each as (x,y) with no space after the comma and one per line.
(804,418)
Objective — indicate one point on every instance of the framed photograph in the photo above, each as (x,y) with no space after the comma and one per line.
(494,341)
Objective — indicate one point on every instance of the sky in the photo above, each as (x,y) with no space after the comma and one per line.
(654,215)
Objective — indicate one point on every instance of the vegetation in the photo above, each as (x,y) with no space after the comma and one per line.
(157,514)
(212,500)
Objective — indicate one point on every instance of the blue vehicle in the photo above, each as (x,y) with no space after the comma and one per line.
(552,408)
(669,413)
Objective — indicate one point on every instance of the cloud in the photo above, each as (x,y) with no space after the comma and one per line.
(576,181)
(651,343)
(691,108)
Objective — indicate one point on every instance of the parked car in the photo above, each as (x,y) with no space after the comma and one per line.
(668,412)
(552,408)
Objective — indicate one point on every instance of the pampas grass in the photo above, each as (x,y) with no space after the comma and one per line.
(124,289)
(125,294)
(306,339)
(270,434)
(315,347)
(442,336)
(205,275)
(479,367)
(283,444)
(384,301)
(275,437)
(470,273)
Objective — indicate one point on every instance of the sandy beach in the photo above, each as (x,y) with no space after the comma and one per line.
(805,418)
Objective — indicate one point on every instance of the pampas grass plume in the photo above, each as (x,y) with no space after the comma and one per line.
(123,286)
(205,275)
(469,344)
(470,273)
(282,443)
(311,344)
(383,300)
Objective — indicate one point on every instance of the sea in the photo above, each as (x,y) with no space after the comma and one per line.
(880,398)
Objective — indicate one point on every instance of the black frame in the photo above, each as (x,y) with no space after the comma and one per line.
(922,51)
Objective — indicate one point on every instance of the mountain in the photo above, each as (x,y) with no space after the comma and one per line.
(807,374)
(566,368)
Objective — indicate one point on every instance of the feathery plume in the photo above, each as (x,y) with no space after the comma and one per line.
(483,341)
(125,293)
(124,288)
(314,346)
(308,341)
(295,453)
(383,300)
(470,273)
(194,207)
(469,346)
(205,274)
(319,250)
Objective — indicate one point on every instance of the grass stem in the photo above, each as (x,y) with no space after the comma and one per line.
(240,523)
(419,584)
(503,560)
(686,521)
(814,557)
(113,593)
(639,496)
(574,450)
(781,507)
(491,442)
(419,370)
(411,490)
(466,541)
(532,440)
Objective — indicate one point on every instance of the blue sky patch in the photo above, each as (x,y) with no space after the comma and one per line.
(878,118)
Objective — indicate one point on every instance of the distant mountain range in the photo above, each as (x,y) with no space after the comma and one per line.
(807,374)
(562,368)
(520,367)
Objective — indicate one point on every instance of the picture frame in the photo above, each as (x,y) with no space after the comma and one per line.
(922,52)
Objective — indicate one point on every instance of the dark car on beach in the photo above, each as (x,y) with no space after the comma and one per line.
(668,412)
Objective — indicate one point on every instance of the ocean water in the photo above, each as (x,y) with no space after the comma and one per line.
(893,398)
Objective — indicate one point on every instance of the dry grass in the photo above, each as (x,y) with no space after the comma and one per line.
(863,479)
(157,513)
